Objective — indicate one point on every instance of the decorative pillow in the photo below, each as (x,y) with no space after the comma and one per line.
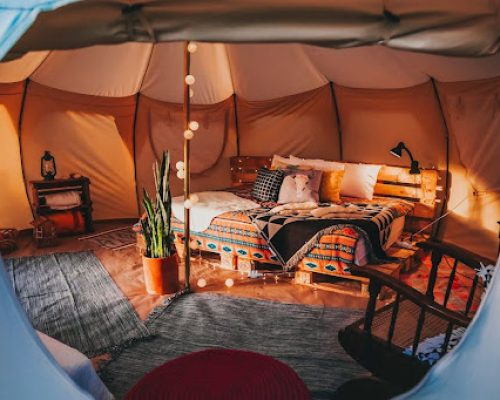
(359,180)
(320,165)
(330,186)
(300,186)
(280,162)
(267,184)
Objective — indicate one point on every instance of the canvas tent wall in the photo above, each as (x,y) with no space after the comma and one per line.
(106,111)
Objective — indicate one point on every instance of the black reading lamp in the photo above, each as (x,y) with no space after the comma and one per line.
(398,152)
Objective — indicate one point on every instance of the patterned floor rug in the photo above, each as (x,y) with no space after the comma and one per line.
(461,284)
(71,297)
(304,337)
(115,239)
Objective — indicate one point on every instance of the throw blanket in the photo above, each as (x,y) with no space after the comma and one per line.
(209,206)
(63,201)
(291,234)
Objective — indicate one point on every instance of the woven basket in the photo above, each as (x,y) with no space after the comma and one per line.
(8,240)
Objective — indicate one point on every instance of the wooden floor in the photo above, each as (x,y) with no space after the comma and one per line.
(125,268)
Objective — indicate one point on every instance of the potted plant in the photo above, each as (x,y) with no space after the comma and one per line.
(160,263)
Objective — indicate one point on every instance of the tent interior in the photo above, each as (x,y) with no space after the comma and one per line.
(108,111)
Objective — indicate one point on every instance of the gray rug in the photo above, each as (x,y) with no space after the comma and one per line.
(71,297)
(304,337)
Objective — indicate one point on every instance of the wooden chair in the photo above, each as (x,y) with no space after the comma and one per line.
(377,341)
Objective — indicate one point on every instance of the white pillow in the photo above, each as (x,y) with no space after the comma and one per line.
(317,164)
(359,180)
(300,186)
(280,162)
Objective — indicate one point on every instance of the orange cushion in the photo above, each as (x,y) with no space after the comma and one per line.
(68,222)
(330,186)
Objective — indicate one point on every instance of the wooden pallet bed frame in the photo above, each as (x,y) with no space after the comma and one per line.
(425,191)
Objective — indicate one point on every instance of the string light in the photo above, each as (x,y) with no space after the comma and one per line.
(229,282)
(188,204)
(180,174)
(179,165)
(192,47)
(194,125)
(188,134)
(202,282)
(189,79)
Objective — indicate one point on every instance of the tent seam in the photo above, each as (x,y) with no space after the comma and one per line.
(19,130)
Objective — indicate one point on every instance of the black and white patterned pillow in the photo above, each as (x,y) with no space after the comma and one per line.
(267,185)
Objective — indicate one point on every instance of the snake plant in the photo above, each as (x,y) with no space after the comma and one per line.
(156,229)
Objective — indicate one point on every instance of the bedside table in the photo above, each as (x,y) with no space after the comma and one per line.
(41,188)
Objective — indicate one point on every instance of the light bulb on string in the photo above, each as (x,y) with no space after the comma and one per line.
(188,134)
(229,282)
(189,79)
(194,198)
(179,165)
(192,47)
(188,204)
(194,125)
(180,174)
(202,282)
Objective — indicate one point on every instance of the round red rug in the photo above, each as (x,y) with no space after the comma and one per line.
(221,374)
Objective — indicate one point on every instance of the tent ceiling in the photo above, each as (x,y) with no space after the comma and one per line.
(253,72)
(114,71)
(465,28)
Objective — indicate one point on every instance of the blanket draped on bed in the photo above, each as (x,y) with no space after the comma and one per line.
(291,235)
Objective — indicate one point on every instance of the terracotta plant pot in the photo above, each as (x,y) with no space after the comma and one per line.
(161,275)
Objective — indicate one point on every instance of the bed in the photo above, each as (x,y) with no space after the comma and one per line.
(235,237)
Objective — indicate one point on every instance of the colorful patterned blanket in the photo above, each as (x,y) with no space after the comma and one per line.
(291,234)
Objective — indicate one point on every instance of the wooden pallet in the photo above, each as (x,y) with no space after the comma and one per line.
(232,262)
(355,285)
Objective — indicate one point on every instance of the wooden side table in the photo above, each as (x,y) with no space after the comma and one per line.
(42,188)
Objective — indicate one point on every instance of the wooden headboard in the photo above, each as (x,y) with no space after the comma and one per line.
(426,190)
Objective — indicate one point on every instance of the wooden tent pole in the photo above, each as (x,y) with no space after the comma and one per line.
(187,215)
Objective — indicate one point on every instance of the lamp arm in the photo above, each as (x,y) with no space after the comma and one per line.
(409,153)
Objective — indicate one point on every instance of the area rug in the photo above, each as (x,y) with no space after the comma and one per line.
(72,298)
(304,337)
(114,239)
(461,284)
